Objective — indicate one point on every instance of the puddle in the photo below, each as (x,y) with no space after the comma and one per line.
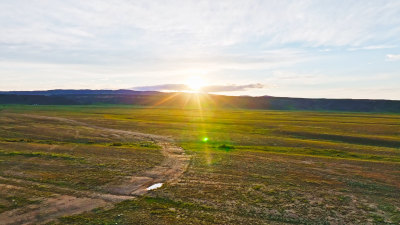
(154,186)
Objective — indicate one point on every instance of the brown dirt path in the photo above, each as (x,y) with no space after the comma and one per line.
(50,209)
(74,202)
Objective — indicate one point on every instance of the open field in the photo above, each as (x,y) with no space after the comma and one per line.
(257,167)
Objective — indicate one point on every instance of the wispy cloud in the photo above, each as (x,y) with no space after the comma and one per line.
(373,47)
(196,25)
(393,57)
(211,88)
(233,87)
(163,87)
(103,44)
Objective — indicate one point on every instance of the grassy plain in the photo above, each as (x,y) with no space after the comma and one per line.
(257,167)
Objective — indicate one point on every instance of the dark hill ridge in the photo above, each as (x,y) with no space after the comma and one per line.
(80,92)
(152,98)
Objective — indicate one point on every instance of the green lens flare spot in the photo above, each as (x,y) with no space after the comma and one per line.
(205,139)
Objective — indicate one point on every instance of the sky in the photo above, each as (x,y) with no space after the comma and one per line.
(313,49)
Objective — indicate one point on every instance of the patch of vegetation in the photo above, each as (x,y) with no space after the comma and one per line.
(40,154)
(116,144)
(370,186)
(226,147)
(141,144)
(347,138)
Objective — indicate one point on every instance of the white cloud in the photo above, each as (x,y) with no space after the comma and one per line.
(197,23)
(393,57)
(373,47)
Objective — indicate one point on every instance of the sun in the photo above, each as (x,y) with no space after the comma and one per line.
(195,83)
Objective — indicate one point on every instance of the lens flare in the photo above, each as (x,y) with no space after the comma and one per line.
(205,139)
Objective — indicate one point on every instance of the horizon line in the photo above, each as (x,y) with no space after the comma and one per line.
(187,92)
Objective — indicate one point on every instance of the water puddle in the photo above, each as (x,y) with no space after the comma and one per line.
(154,186)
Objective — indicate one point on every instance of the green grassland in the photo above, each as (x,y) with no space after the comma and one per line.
(257,166)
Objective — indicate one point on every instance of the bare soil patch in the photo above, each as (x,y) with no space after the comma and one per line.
(174,164)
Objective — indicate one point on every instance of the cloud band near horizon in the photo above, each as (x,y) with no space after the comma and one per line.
(210,88)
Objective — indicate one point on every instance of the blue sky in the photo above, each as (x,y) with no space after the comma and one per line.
(330,49)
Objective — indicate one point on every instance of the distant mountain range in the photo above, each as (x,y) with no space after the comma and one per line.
(80,92)
(188,100)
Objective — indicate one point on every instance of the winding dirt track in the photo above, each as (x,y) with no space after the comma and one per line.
(74,202)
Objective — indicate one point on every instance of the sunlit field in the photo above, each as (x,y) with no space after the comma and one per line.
(245,166)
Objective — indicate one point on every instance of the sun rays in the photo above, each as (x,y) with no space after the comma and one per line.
(201,102)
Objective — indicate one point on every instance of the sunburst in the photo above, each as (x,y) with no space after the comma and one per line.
(195,83)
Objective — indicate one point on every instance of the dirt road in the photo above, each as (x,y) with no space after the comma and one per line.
(74,202)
